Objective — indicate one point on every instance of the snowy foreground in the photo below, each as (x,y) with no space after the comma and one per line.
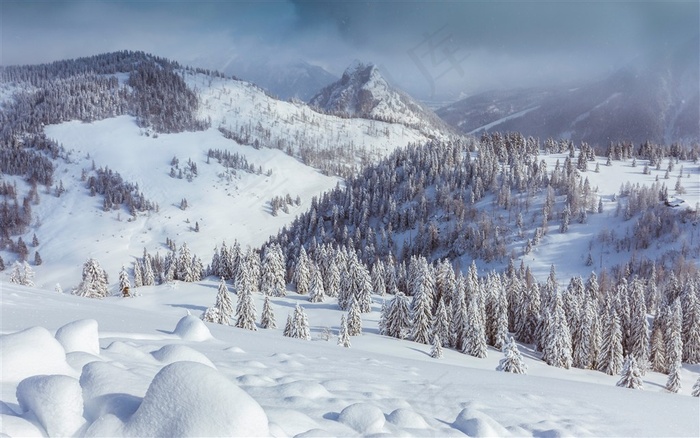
(141,367)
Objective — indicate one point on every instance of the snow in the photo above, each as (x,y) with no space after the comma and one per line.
(191,399)
(30,352)
(191,328)
(79,336)
(286,387)
(56,401)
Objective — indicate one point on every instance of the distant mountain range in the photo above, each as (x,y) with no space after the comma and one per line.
(363,92)
(655,98)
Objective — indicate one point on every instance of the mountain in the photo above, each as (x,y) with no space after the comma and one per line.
(362,91)
(295,79)
(655,98)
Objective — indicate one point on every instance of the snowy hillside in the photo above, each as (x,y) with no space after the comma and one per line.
(286,387)
(206,189)
(363,92)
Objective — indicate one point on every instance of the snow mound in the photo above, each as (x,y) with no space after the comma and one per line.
(363,417)
(306,389)
(55,401)
(191,328)
(101,378)
(124,349)
(313,433)
(178,353)
(30,352)
(235,350)
(80,335)
(407,419)
(11,425)
(473,422)
(121,406)
(191,399)
(290,422)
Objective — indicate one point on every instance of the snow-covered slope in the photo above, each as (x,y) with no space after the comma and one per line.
(363,92)
(283,386)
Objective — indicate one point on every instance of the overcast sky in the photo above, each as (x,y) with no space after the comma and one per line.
(429,48)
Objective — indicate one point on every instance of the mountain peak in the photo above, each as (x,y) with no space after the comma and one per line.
(363,92)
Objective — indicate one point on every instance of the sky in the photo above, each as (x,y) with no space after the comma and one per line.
(436,49)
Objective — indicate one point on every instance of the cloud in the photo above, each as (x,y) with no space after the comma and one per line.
(429,48)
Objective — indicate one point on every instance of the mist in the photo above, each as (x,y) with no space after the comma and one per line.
(433,50)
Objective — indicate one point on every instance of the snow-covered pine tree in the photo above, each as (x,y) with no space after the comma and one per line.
(673,336)
(673,384)
(585,347)
(696,388)
(354,319)
(610,357)
(631,376)
(94,283)
(316,291)
(556,349)
(273,268)
(245,309)
(422,304)
(267,319)
(331,284)
(288,326)
(657,346)
(138,274)
(149,278)
(459,315)
(396,318)
(124,283)
(378,273)
(22,274)
(302,273)
(440,325)
(184,268)
(498,329)
(300,324)
(638,344)
(343,336)
(512,361)
(436,350)
(531,303)
(691,325)
(474,331)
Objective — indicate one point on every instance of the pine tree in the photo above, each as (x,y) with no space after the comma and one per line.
(302,273)
(556,350)
(631,376)
(245,310)
(610,357)
(696,388)
(673,384)
(316,291)
(149,278)
(474,331)
(378,273)
(638,345)
(691,326)
(22,274)
(124,283)
(184,269)
(354,319)
(267,319)
(288,326)
(272,281)
(343,336)
(94,283)
(138,275)
(436,350)
(512,361)
(396,317)
(440,326)
(585,347)
(421,307)
(37,259)
(673,336)
(300,324)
